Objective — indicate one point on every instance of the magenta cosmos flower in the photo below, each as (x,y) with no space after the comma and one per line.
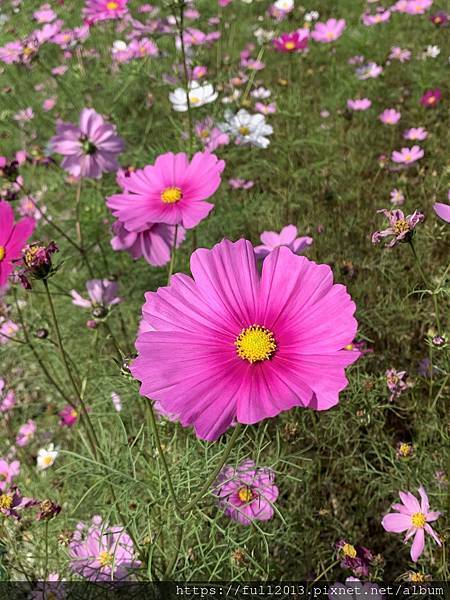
(408,156)
(414,518)
(13,238)
(246,493)
(154,244)
(329,31)
(8,471)
(171,191)
(287,237)
(296,41)
(89,148)
(431,98)
(101,552)
(101,10)
(231,345)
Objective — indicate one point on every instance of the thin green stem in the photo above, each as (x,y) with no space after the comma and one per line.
(180,25)
(173,562)
(172,255)
(213,476)
(77,213)
(427,284)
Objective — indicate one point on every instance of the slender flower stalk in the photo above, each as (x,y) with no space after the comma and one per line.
(427,284)
(77,212)
(180,25)
(172,255)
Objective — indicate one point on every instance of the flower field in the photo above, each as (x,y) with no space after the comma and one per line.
(224,292)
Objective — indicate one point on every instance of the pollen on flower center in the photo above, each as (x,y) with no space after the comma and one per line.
(171,195)
(255,344)
(6,501)
(244,130)
(349,550)
(105,558)
(2,253)
(194,99)
(401,226)
(112,6)
(47,460)
(418,520)
(245,494)
(289,45)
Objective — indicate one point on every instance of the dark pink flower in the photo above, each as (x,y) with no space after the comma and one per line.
(12,503)
(296,41)
(68,416)
(431,98)
(356,558)
(13,238)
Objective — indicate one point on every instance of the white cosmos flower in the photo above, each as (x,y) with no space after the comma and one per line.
(284,5)
(312,15)
(247,128)
(261,93)
(262,35)
(431,52)
(46,457)
(199,94)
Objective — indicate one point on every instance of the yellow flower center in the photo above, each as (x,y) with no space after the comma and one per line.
(205,134)
(28,51)
(349,347)
(401,226)
(245,494)
(329,35)
(289,45)
(417,577)
(2,253)
(47,460)
(418,520)
(244,130)
(171,195)
(255,344)
(112,6)
(6,501)
(105,558)
(349,550)
(194,99)
(404,449)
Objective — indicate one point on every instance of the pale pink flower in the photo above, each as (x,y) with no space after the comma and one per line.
(407,156)
(359,104)
(329,31)
(390,116)
(416,133)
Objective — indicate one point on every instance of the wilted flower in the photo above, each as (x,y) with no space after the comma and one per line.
(47,510)
(246,493)
(101,552)
(356,558)
(89,148)
(414,518)
(401,228)
(37,261)
(12,501)
(396,382)
(287,237)
(404,450)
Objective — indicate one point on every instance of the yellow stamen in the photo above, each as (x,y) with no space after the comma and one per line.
(418,520)
(349,347)
(194,99)
(244,130)
(417,577)
(255,344)
(349,550)
(289,45)
(171,195)
(112,6)
(329,35)
(404,449)
(105,558)
(2,253)
(401,226)
(245,494)
(47,460)
(6,501)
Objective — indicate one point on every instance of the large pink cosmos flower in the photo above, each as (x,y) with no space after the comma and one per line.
(154,244)
(414,518)
(13,238)
(329,31)
(90,148)
(231,345)
(171,191)
(246,493)
(102,10)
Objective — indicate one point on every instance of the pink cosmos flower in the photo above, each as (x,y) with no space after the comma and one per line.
(102,552)
(359,104)
(431,98)
(329,31)
(49,103)
(287,237)
(44,14)
(8,330)
(440,19)
(416,133)
(380,17)
(8,471)
(102,10)
(396,382)
(12,501)
(397,197)
(390,116)
(415,519)
(171,191)
(11,52)
(407,156)
(266,109)
(257,344)
(13,238)
(400,227)
(60,70)
(154,244)
(369,71)
(418,7)
(246,493)
(296,41)
(102,293)
(240,184)
(26,433)
(210,136)
(442,210)
(90,148)
(7,400)
(68,416)
(398,54)
(143,47)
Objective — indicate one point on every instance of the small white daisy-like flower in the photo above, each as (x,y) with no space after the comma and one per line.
(284,5)
(261,93)
(311,16)
(431,52)
(199,94)
(46,457)
(247,128)
(262,35)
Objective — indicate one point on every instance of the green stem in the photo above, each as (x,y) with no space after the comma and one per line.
(172,255)
(173,562)
(180,24)
(46,555)
(154,429)
(77,212)
(427,285)
(213,476)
